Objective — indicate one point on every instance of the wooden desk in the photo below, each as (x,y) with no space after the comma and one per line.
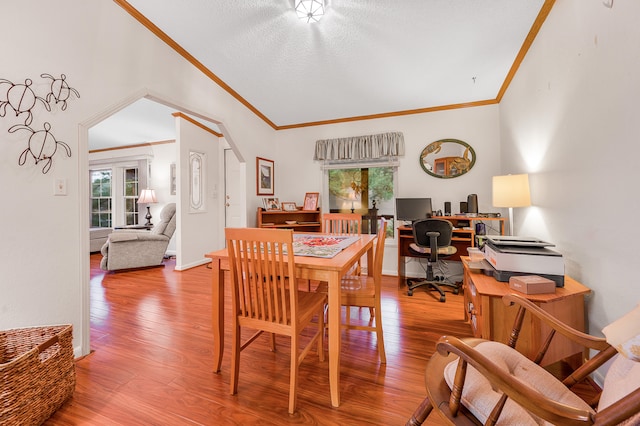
(461,240)
(455,219)
(314,268)
(492,320)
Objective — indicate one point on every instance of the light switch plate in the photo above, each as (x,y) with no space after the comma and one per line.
(60,187)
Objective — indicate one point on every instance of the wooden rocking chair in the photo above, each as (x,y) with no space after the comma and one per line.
(475,381)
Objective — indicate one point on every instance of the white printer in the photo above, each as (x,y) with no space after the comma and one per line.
(511,256)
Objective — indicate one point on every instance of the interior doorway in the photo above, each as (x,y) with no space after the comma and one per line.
(233,194)
(84,186)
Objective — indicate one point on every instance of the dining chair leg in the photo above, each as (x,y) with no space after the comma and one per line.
(293,374)
(235,360)
(381,351)
(321,336)
(273,342)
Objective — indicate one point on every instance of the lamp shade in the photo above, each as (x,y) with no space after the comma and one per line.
(147,196)
(310,10)
(511,191)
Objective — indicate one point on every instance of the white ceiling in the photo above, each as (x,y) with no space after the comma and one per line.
(365,57)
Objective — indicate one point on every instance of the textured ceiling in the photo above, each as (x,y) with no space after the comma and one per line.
(365,57)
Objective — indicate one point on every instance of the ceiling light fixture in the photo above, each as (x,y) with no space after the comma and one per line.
(310,10)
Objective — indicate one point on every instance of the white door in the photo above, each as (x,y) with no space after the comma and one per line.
(232,190)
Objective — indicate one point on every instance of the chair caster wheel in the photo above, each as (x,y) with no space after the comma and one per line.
(409,292)
(443,299)
(456,291)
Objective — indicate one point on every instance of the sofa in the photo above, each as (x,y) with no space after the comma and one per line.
(132,248)
(97,238)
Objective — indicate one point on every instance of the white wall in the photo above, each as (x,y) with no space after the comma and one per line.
(570,119)
(477,126)
(198,229)
(112,60)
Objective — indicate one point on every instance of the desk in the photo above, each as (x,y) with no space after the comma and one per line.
(313,268)
(490,319)
(461,240)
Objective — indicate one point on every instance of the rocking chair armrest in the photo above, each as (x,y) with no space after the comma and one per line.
(526,396)
(620,410)
(583,339)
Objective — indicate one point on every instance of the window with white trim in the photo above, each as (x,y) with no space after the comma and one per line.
(101,200)
(115,188)
(131,195)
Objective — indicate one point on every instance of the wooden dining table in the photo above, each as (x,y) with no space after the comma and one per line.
(330,270)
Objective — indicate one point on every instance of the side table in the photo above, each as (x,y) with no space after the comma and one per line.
(491,319)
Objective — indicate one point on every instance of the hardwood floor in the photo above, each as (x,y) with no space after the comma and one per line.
(151,359)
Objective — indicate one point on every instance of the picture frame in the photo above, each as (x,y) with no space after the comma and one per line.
(264,176)
(271,203)
(288,206)
(311,201)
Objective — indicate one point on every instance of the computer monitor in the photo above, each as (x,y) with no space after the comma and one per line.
(412,209)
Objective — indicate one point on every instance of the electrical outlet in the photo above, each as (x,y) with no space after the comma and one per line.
(60,187)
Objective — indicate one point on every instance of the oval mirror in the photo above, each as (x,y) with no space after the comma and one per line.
(447,158)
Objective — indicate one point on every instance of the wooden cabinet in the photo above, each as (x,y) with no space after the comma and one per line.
(491,319)
(298,220)
(446,166)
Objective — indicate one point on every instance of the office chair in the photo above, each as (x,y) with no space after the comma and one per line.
(432,237)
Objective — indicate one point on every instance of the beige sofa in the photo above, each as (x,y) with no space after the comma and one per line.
(97,238)
(129,248)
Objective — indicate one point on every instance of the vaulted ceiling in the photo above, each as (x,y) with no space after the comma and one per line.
(364,59)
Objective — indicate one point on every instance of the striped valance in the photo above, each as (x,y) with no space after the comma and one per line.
(360,148)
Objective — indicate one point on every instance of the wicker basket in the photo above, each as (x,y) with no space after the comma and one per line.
(37,373)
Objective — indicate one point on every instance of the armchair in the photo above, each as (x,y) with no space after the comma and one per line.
(128,248)
(475,381)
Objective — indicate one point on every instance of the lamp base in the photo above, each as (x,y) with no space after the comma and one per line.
(511,221)
(148,217)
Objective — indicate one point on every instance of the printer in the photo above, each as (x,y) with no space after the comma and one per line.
(513,256)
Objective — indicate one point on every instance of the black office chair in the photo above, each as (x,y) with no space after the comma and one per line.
(427,234)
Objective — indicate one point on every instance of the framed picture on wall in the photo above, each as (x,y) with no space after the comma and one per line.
(311,201)
(264,176)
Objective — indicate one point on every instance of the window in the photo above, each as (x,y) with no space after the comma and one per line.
(360,189)
(131,196)
(101,199)
(115,187)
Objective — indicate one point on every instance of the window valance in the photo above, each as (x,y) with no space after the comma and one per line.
(359,148)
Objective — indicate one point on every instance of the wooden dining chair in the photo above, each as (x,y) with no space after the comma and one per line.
(364,291)
(475,381)
(342,223)
(265,298)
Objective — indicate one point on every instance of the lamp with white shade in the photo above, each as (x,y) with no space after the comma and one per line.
(511,191)
(148,196)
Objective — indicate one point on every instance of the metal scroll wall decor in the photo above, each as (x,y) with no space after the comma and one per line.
(22,99)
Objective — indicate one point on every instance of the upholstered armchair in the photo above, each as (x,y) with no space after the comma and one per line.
(129,248)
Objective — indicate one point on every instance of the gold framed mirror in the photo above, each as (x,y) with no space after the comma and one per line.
(447,158)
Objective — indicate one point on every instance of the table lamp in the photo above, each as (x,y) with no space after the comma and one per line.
(147,196)
(511,191)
